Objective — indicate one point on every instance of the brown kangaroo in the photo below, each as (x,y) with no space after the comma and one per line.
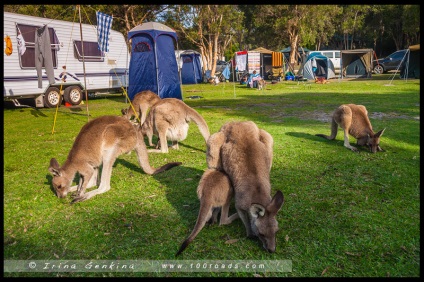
(100,141)
(142,102)
(215,193)
(244,153)
(169,120)
(353,119)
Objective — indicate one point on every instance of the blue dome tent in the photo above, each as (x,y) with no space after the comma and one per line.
(191,70)
(325,67)
(153,65)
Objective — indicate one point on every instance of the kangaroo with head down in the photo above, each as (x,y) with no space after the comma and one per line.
(353,119)
(100,141)
(244,153)
(169,120)
(141,102)
(215,193)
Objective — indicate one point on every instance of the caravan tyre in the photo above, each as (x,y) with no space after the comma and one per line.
(52,97)
(73,95)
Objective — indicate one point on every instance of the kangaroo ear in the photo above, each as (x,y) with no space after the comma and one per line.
(378,134)
(54,167)
(276,203)
(257,210)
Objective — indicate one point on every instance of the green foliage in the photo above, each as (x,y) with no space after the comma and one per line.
(346,214)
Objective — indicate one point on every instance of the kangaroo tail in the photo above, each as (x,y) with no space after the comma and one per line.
(166,167)
(333,135)
(193,115)
(183,247)
(205,214)
(143,157)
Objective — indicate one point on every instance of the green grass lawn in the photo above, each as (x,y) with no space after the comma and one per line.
(345,214)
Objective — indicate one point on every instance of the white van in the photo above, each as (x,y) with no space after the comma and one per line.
(333,55)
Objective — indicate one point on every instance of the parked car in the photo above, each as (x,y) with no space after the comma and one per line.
(333,55)
(391,62)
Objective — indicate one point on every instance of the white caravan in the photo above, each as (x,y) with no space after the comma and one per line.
(74,73)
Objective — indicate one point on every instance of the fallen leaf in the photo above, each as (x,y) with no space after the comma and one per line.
(257,275)
(287,238)
(56,255)
(352,254)
(106,233)
(324,271)
(231,241)
(154,215)
(188,179)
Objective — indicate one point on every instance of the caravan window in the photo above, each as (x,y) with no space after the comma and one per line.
(27,59)
(91,51)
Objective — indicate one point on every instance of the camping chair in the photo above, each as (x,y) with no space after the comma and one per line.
(277,73)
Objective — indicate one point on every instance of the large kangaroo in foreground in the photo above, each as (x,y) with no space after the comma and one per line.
(169,120)
(244,153)
(142,102)
(215,193)
(100,141)
(353,119)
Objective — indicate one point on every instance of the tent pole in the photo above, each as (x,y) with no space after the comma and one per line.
(83,62)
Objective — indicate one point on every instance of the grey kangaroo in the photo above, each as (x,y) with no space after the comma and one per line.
(244,153)
(141,102)
(169,119)
(353,119)
(215,193)
(100,141)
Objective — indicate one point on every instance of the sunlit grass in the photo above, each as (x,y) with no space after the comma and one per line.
(346,214)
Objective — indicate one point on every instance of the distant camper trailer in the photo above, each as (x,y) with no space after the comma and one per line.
(105,72)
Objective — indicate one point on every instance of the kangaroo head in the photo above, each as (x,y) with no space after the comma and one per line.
(263,222)
(374,142)
(61,183)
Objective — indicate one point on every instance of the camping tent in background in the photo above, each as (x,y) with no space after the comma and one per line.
(303,52)
(191,70)
(356,63)
(411,67)
(153,65)
(253,62)
(325,67)
(265,60)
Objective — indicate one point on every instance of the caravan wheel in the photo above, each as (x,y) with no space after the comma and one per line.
(73,95)
(52,97)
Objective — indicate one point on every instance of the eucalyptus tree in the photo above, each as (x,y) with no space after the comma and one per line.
(353,21)
(298,25)
(211,28)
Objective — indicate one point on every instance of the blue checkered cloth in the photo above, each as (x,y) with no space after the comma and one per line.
(104,22)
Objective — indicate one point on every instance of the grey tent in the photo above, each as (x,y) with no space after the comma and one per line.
(411,69)
(325,67)
(356,63)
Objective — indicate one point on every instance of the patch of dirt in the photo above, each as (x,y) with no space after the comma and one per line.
(326,117)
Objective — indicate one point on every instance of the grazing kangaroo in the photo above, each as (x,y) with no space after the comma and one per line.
(244,153)
(169,120)
(353,119)
(261,84)
(142,102)
(100,141)
(215,193)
